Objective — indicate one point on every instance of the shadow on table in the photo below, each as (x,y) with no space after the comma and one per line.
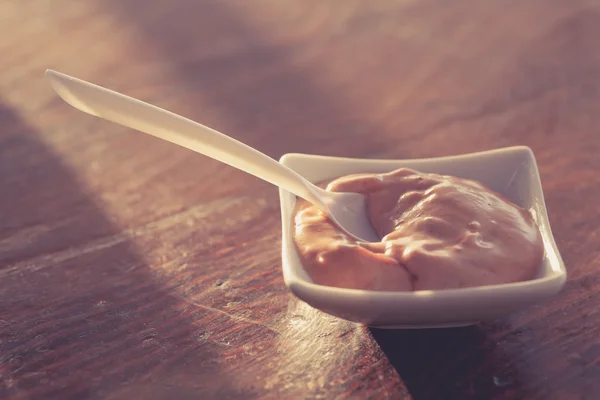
(224,59)
(80,314)
(455,363)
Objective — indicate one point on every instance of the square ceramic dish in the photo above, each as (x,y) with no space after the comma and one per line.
(510,171)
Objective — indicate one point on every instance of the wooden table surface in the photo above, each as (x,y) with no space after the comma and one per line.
(131,268)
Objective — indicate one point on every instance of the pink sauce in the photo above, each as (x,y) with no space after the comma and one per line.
(437,232)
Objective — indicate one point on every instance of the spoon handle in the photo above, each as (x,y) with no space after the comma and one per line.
(127,111)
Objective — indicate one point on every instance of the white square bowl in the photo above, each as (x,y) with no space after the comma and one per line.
(510,171)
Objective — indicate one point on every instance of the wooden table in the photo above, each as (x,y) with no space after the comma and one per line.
(131,268)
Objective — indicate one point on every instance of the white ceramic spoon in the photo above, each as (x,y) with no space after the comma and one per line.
(347,210)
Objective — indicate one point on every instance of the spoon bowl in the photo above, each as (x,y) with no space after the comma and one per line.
(510,171)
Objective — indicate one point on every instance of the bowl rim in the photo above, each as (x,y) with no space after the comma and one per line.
(554,280)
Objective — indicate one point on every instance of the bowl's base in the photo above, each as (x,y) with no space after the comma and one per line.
(432,326)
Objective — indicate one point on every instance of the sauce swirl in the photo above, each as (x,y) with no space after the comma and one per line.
(437,232)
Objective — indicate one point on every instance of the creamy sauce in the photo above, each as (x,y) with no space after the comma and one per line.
(437,232)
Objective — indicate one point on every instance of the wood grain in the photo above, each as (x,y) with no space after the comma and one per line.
(135,269)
